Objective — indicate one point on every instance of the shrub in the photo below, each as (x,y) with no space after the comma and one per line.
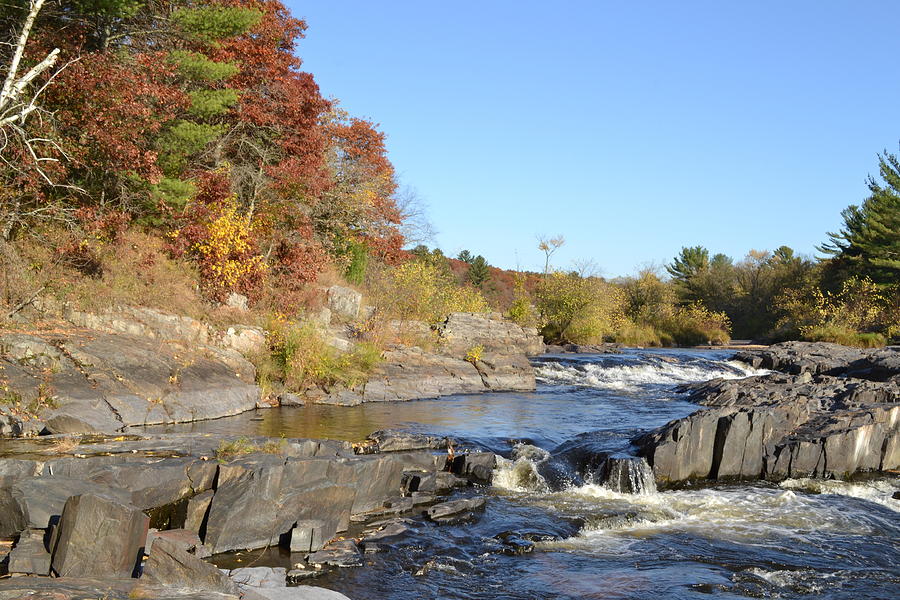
(695,324)
(475,353)
(843,335)
(220,239)
(633,334)
(358,256)
(576,309)
(299,356)
(420,290)
(522,311)
(859,314)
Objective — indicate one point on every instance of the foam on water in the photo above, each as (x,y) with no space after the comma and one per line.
(879,491)
(651,371)
(745,515)
(804,581)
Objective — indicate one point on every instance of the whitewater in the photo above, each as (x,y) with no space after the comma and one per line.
(585,514)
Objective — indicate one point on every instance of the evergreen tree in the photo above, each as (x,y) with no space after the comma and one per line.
(687,266)
(869,243)
(465,256)
(478,271)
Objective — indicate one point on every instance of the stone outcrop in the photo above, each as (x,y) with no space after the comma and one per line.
(83,507)
(803,424)
(90,381)
(823,358)
(463,331)
(497,352)
(343,302)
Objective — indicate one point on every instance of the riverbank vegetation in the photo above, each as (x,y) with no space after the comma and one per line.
(175,153)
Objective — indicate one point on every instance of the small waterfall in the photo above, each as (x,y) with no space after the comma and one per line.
(520,473)
(628,475)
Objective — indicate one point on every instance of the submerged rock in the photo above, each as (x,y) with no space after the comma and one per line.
(344,553)
(259,577)
(514,544)
(455,511)
(628,475)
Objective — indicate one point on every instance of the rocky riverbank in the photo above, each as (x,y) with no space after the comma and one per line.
(835,412)
(91,510)
(136,366)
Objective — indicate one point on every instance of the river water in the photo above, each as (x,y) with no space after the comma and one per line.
(797,539)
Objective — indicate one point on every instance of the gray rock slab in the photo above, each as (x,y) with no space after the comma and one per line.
(259,577)
(30,555)
(20,588)
(337,554)
(34,502)
(444,510)
(171,566)
(99,537)
(302,592)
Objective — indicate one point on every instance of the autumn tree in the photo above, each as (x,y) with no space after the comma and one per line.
(549,245)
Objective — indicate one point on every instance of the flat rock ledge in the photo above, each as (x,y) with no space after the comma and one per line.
(823,358)
(834,414)
(83,380)
(89,510)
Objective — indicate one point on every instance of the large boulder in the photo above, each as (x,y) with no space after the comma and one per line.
(99,537)
(259,500)
(460,332)
(343,302)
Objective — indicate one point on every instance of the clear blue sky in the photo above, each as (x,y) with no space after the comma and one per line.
(632,128)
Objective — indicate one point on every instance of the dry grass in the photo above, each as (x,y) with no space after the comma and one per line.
(135,270)
(243,446)
(64,445)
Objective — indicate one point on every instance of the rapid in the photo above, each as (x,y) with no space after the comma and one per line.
(573,514)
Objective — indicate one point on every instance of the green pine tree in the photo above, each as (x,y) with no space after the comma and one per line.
(479,272)
(868,245)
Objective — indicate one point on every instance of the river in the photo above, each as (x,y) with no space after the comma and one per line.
(796,539)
